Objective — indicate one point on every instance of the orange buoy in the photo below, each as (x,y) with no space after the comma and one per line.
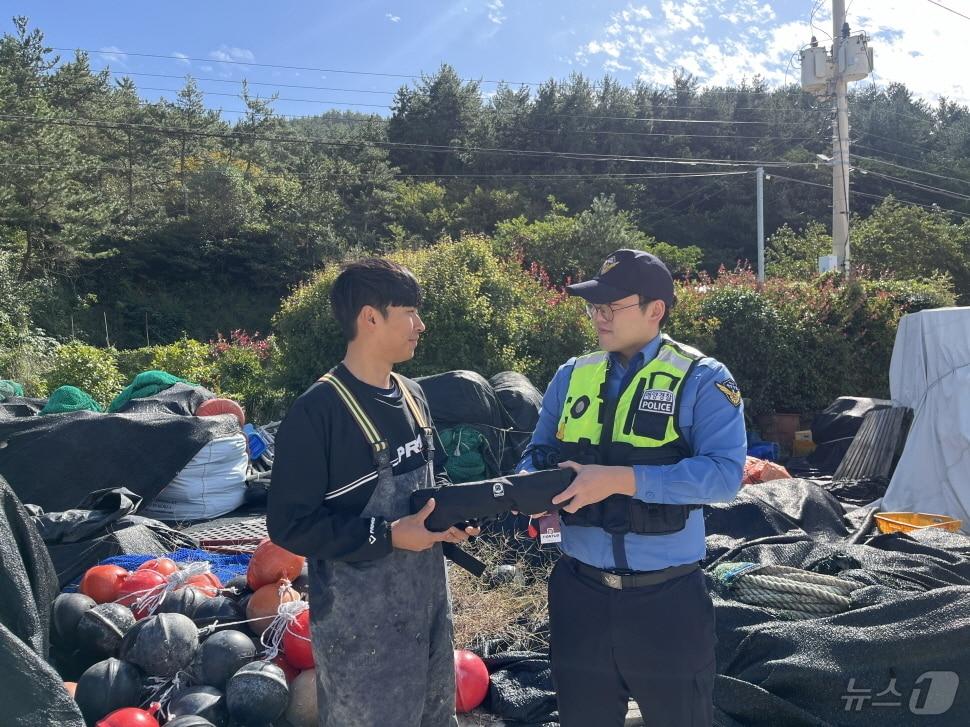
(265,602)
(271,563)
(215,407)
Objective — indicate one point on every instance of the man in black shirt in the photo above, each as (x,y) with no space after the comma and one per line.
(348,455)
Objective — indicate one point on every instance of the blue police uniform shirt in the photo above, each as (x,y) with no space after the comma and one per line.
(711,425)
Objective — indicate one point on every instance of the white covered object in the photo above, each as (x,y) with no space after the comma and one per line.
(211,484)
(930,373)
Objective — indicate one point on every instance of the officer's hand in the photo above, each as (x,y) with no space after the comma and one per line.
(594,483)
(410,533)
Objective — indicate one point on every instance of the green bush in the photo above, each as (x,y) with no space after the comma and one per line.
(188,359)
(573,248)
(795,346)
(132,362)
(95,370)
(482,310)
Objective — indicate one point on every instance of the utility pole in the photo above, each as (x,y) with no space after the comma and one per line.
(829,76)
(761,224)
(840,141)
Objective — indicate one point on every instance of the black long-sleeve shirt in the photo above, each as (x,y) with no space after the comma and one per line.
(324,473)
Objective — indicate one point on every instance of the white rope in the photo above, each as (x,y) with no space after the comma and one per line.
(152,597)
(272,637)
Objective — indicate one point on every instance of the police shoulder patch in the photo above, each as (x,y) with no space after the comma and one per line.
(730,390)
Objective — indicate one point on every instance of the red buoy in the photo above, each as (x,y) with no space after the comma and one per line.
(131,717)
(471,680)
(139,583)
(296,642)
(101,582)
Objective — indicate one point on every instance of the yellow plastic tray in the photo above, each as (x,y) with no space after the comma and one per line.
(903,522)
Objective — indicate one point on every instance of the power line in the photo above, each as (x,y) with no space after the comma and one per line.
(951,10)
(93,123)
(918,185)
(328,176)
(773,175)
(306,87)
(298,100)
(180,59)
(277,65)
(568,116)
(910,169)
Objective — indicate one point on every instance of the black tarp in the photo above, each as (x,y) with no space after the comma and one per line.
(908,631)
(56,461)
(520,689)
(910,620)
(31,691)
(103,525)
(179,398)
(17,407)
(834,429)
(522,401)
(465,397)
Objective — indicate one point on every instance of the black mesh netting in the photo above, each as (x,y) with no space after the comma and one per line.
(31,691)
(56,461)
(907,633)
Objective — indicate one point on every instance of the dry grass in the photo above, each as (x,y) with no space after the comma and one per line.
(513,612)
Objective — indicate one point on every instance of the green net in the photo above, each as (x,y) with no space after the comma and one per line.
(10,388)
(147,383)
(67,399)
(465,449)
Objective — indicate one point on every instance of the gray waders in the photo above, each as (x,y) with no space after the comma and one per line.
(381,629)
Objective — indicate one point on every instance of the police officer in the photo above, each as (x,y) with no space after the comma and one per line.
(654,430)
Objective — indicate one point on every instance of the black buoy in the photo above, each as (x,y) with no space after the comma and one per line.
(239,585)
(183,601)
(101,629)
(222,655)
(66,615)
(106,686)
(206,702)
(161,645)
(221,609)
(257,694)
(189,720)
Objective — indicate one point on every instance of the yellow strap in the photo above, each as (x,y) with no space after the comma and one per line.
(413,405)
(357,412)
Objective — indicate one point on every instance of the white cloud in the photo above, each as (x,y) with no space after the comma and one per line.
(495,11)
(612,66)
(113,54)
(393,18)
(207,69)
(725,41)
(610,49)
(231,53)
(182,58)
(682,15)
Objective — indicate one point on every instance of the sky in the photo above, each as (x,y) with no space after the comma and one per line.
(354,54)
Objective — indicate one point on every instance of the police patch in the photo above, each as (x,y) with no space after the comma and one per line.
(608,264)
(657,401)
(730,389)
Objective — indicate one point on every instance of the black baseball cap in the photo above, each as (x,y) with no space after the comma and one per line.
(628,272)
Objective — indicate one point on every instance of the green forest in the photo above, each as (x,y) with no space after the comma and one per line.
(127,223)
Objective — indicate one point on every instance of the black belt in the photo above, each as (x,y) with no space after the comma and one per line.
(633,579)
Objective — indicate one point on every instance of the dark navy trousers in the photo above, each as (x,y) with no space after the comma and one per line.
(654,644)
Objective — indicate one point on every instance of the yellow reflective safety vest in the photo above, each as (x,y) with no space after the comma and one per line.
(639,427)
